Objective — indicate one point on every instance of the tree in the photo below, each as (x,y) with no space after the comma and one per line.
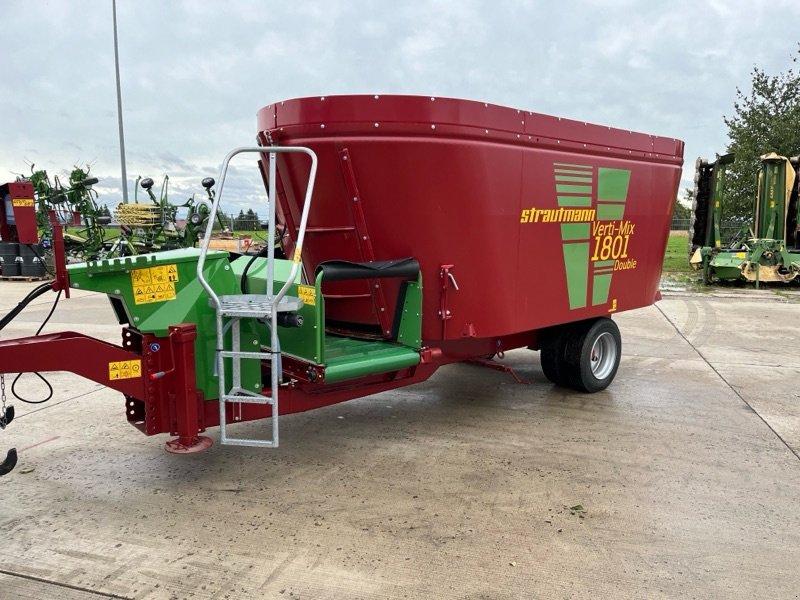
(765,120)
(679,211)
(239,221)
(252,220)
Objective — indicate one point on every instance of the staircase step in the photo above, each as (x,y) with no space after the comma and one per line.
(349,358)
(240,398)
(245,354)
(255,305)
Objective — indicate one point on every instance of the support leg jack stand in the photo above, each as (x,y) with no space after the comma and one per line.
(188,445)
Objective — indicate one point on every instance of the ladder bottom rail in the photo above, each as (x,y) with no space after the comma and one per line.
(248,442)
(246,354)
(240,396)
(234,399)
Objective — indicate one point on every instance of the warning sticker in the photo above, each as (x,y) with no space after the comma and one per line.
(22,202)
(154,284)
(124,369)
(307,294)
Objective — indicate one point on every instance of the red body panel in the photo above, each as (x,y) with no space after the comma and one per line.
(448,182)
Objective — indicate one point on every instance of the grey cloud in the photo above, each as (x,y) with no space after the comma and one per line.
(194,73)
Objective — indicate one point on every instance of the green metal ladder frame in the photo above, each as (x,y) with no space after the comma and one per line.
(230,309)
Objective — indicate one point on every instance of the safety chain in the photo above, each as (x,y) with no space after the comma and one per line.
(3,421)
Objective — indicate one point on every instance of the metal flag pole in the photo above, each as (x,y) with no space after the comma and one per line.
(119,110)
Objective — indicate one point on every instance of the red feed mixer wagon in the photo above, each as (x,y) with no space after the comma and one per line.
(420,231)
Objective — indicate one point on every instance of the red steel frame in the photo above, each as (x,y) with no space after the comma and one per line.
(164,397)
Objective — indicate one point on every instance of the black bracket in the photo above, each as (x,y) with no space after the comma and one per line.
(9,463)
(11,457)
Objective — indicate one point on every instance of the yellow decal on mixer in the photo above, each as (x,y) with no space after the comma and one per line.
(154,284)
(307,294)
(124,369)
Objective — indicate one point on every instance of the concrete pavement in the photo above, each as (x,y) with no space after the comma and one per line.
(679,481)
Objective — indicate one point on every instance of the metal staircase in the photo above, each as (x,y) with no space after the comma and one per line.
(231,309)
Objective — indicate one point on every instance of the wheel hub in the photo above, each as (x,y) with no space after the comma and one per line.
(603,355)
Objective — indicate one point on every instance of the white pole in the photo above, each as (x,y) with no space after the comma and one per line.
(119,110)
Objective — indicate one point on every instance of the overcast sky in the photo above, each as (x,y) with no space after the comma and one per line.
(194,73)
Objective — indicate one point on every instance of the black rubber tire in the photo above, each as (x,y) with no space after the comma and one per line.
(592,354)
(551,354)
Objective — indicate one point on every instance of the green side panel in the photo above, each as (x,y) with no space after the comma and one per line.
(772,200)
(573,189)
(576,264)
(344,358)
(612,184)
(409,332)
(728,265)
(149,307)
(727,273)
(578,201)
(257,272)
(600,286)
(601,264)
(349,358)
(306,342)
(610,212)
(729,260)
(575,231)
(319,333)
(125,280)
(717,201)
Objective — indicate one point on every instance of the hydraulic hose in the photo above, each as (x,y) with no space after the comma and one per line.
(11,456)
(243,284)
(32,295)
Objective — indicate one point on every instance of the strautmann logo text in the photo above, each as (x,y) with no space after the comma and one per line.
(594,234)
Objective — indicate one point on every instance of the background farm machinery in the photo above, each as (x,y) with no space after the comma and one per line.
(767,248)
(149,226)
(153,226)
(73,204)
